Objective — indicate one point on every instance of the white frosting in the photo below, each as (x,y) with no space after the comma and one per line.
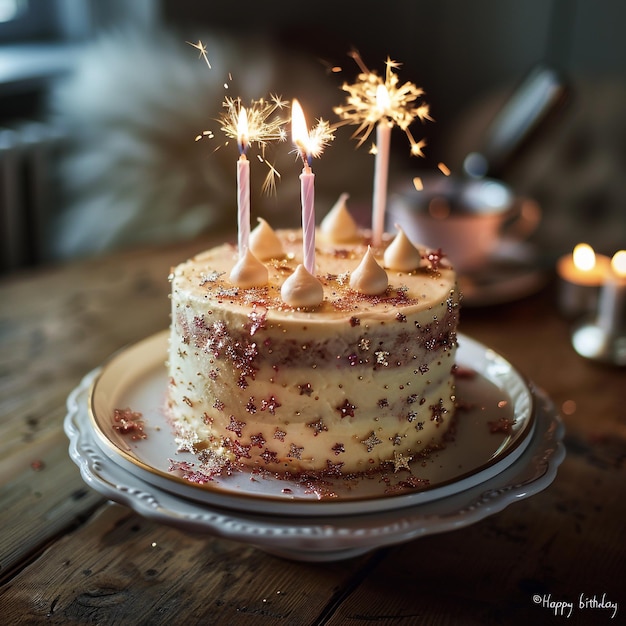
(338,226)
(401,255)
(264,243)
(369,277)
(249,272)
(346,386)
(302,289)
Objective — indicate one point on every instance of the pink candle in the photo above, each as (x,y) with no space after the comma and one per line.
(307,196)
(243,184)
(243,203)
(300,137)
(381,173)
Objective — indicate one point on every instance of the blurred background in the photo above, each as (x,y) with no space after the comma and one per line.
(101,101)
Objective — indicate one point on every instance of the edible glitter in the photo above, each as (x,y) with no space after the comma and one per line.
(129,422)
(338,448)
(318,426)
(346,409)
(209,278)
(269,456)
(235,426)
(371,441)
(364,344)
(270,405)
(400,462)
(295,452)
(437,411)
(381,357)
(502,425)
(257,440)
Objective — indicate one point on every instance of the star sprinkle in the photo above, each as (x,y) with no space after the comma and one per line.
(257,440)
(318,426)
(346,409)
(280,434)
(235,426)
(437,411)
(295,452)
(270,405)
(129,422)
(338,448)
(269,457)
(400,462)
(371,441)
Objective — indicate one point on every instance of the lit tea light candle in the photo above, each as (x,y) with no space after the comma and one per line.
(612,304)
(604,339)
(581,274)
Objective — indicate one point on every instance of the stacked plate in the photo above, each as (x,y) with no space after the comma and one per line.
(485,468)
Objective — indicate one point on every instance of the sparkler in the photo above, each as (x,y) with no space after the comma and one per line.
(309,145)
(374,102)
(260,124)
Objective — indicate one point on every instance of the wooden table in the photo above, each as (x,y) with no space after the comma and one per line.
(67,556)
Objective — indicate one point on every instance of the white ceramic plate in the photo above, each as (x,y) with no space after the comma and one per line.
(137,378)
(318,538)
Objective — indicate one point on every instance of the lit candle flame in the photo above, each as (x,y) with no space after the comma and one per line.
(310,144)
(299,132)
(242,130)
(584,257)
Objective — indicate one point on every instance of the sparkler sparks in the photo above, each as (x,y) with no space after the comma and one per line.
(309,144)
(203,53)
(371,100)
(264,126)
(319,137)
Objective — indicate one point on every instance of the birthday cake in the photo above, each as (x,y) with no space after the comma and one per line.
(360,381)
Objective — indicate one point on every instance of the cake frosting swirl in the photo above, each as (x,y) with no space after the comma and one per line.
(359,382)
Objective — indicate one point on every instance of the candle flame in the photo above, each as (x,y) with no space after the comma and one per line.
(371,100)
(310,144)
(242,130)
(584,257)
(618,263)
(299,130)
